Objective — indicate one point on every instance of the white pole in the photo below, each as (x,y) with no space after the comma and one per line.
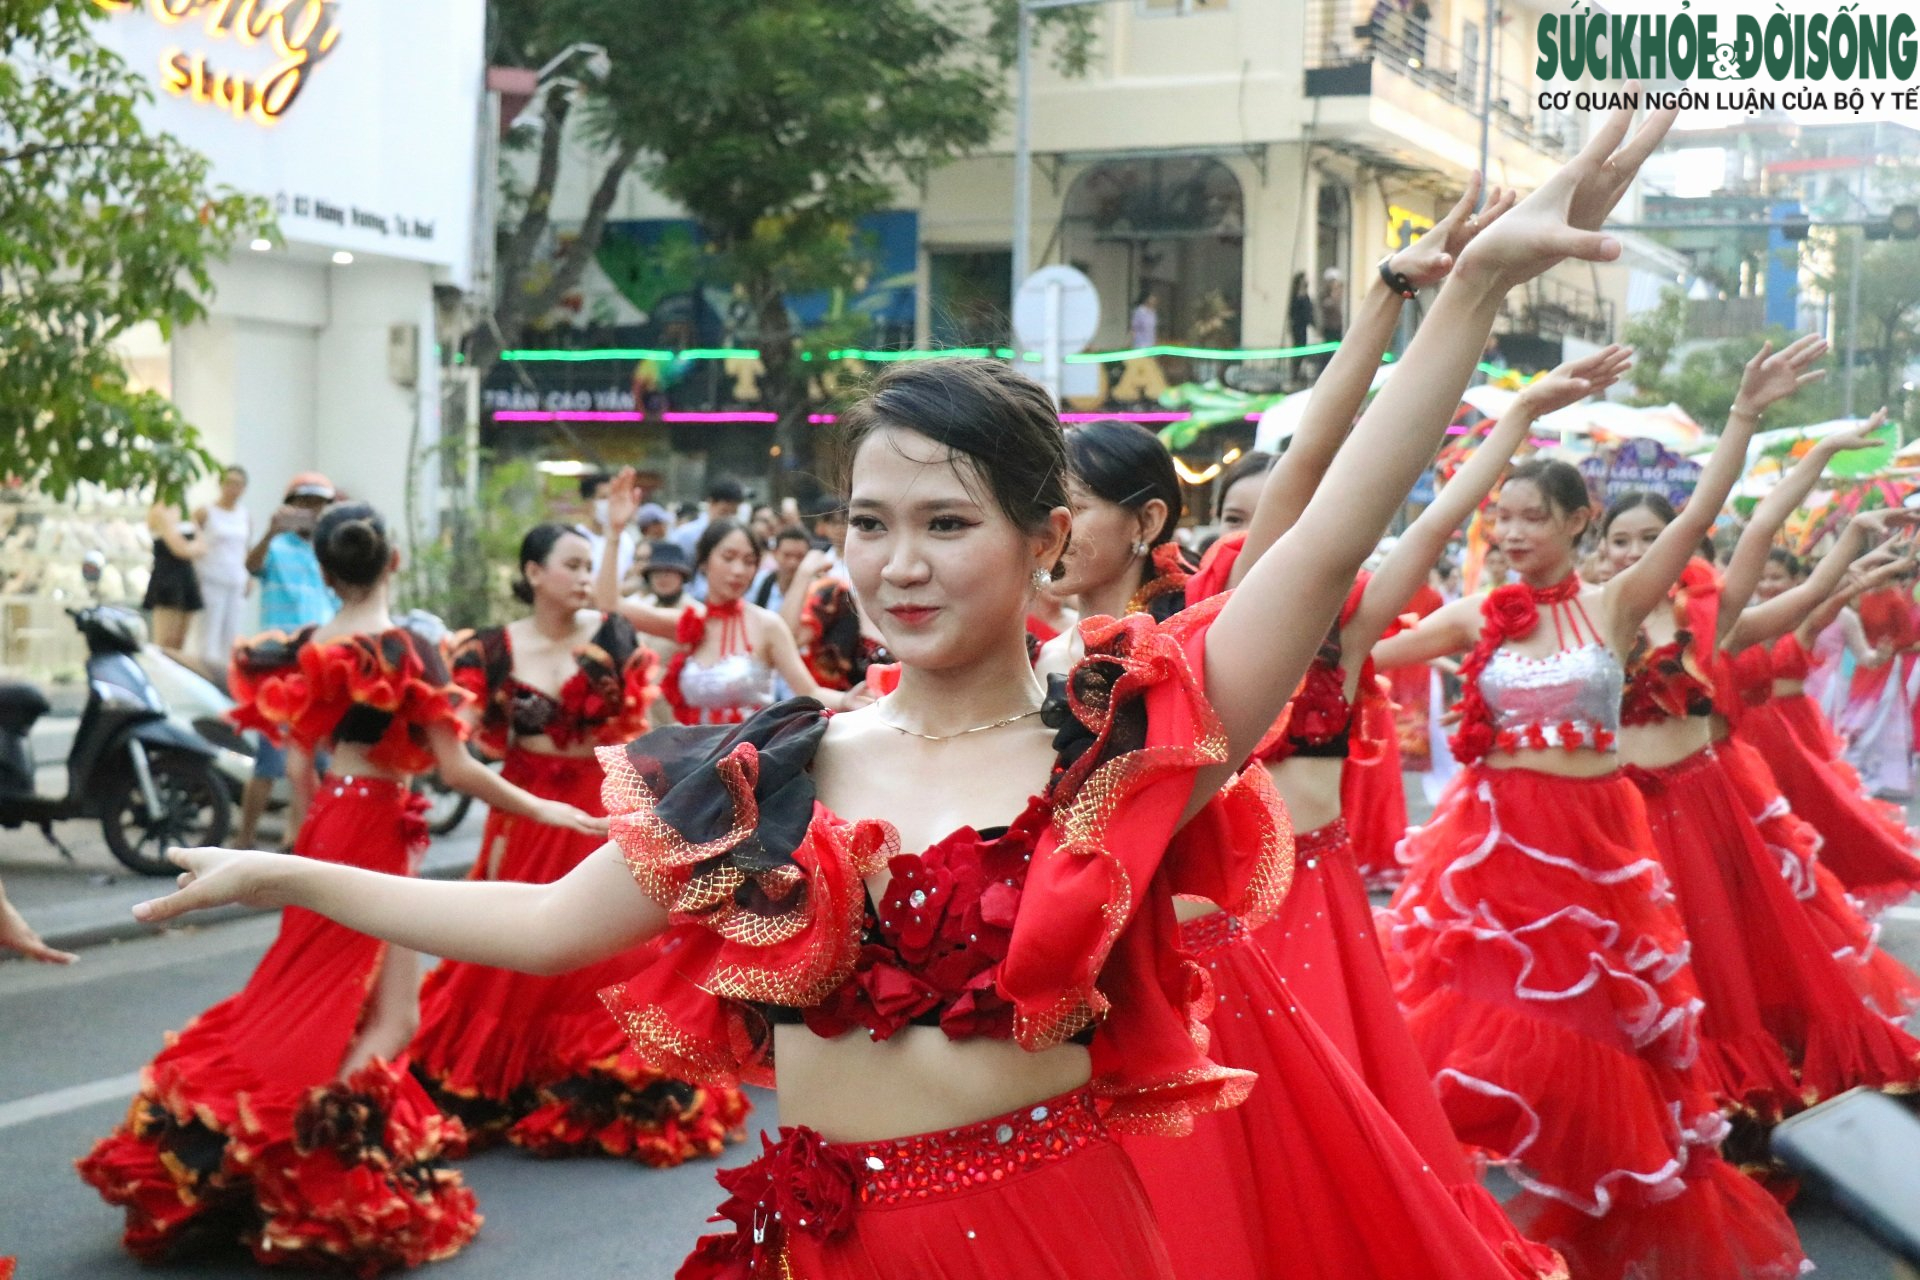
(1023,156)
(1052,372)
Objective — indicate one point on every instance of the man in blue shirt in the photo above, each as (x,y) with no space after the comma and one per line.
(293,594)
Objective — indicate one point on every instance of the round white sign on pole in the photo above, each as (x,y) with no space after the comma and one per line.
(1079,309)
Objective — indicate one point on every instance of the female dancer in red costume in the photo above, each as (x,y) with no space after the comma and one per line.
(1301,1160)
(729,648)
(1783,1025)
(729,839)
(1541,960)
(284,1116)
(536,1060)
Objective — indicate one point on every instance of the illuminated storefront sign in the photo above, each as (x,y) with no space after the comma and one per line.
(300,34)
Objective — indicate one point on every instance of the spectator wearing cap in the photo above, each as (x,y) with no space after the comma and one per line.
(293,594)
(724,497)
(668,571)
(653,521)
(594,529)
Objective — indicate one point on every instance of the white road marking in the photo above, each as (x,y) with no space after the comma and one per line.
(57,1102)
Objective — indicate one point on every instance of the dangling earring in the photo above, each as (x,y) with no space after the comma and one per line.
(1041,579)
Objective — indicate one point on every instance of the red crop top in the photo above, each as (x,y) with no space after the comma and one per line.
(1059,926)
(1665,683)
(1751,674)
(1790,658)
(604,701)
(382,692)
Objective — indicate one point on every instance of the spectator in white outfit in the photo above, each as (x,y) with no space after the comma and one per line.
(227,532)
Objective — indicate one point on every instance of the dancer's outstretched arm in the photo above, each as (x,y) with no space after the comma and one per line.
(1750,554)
(1342,386)
(594,911)
(1770,377)
(1269,630)
(1420,547)
(1759,623)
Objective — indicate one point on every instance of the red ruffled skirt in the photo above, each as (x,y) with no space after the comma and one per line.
(1810,724)
(1042,1193)
(1324,945)
(1373,795)
(242,1127)
(1839,919)
(1543,967)
(1865,841)
(537,1060)
(1310,1178)
(1783,1026)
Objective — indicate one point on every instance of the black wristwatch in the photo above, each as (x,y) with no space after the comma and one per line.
(1396,281)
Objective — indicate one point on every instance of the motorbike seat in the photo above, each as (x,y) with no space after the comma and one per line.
(20,705)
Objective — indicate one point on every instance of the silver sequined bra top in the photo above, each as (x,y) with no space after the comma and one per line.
(735,682)
(1533,698)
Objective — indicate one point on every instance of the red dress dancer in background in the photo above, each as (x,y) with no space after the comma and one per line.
(1540,957)
(284,1116)
(948,1150)
(533,1059)
(1349,1170)
(1877,722)
(1783,1026)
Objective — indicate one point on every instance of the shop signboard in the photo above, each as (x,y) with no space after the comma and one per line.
(357,122)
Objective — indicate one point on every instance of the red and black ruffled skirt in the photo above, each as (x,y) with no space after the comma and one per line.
(537,1060)
(1864,841)
(243,1129)
(1309,1178)
(1542,963)
(1784,1026)
(1043,1193)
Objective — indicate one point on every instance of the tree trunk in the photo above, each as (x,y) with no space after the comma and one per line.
(783,388)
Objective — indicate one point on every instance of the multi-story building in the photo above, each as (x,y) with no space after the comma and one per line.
(1218,154)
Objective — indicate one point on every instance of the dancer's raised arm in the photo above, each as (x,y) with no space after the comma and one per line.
(1420,547)
(1761,622)
(1770,377)
(1342,386)
(1756,540)
(1269,630)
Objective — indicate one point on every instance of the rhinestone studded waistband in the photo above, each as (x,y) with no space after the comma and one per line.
(926,1165)
(1215,931)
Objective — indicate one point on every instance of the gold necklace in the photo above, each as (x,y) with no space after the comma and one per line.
(961,733)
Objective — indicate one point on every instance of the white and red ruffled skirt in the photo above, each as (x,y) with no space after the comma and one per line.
(242,1129)
(538,1060)
(1544,969)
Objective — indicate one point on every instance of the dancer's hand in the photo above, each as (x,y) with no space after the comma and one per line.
(1771,376)
(552,813)
(1562,219)
(17,935)
(1575,380)
(1428,260)
(216,877)
(623,499)
(1860,437)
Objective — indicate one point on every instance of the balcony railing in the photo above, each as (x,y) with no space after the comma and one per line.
(1548,307)
(1348,39)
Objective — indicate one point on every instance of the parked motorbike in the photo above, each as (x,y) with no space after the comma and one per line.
(150,782)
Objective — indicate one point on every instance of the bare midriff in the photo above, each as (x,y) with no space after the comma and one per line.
(1789,688)
(1582,762)
(1668,742)
(854,1089)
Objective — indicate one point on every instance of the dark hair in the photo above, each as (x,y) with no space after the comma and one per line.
(822,506)
(1000,421)
(1786,560)
(590,483)
(350,542)
(1257,462)
(716,532)
(1647,498)
(1125,464)
(1561,482)
(1300,288)
(534,549)
(726,489)
(792,533)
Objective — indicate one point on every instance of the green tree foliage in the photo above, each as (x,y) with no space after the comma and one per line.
(104,225)
(776,124)
(1888,339)
(1704,379)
